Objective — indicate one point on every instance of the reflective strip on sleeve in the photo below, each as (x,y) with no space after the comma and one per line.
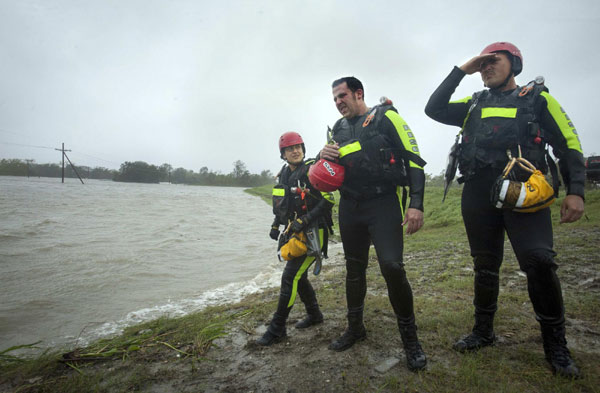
(405,133)
(278,191)
(350,148)
(562,120)
(461,101)
(499,112)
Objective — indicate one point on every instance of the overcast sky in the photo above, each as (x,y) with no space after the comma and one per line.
(206,83)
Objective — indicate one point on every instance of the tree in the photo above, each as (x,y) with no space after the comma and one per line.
(138,172)
(13,167)
(239,169)
(165,172)
(102,173)
(179,176)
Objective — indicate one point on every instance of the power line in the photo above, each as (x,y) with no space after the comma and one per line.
(24,145)
(52,148)
(95,158)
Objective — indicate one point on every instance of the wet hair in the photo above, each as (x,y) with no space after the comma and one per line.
(352,83)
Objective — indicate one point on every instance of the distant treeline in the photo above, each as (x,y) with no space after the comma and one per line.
(16,167)
(141,172)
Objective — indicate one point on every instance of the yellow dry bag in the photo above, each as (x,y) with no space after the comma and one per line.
(295,247)
(526,197)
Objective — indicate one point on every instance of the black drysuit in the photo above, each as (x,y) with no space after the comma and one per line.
(315,207)
(370,206)
(487,132)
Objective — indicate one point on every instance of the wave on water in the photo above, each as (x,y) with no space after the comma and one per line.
(228,294)
(10,237)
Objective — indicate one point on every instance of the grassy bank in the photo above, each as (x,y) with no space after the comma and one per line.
(212,350)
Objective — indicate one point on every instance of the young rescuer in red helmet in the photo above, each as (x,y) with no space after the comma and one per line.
(296,205)
(380,154)
(523,122)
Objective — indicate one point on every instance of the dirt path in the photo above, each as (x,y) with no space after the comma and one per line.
(302,362)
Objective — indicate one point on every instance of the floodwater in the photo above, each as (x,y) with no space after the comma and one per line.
(83,261)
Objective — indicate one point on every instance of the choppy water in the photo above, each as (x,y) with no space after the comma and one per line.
(78,262)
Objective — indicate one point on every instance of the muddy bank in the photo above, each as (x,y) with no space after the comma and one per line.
(442,286)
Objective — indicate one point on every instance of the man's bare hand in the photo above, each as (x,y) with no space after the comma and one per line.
(330,152)
(475,64)
(571,209)
(413,220)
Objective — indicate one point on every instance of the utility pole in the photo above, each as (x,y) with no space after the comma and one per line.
(70,163)
(63,160)
(28,162)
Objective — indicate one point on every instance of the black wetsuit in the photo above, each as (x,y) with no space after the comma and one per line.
(295,274)
(530,234)
(370,210)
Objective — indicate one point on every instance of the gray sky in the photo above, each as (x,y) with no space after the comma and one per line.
(206,83)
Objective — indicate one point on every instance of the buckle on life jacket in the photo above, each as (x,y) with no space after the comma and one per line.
(539,80)
(369,118)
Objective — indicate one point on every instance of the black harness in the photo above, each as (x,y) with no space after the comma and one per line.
(376,167)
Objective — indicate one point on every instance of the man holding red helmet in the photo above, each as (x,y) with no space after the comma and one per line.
(296,204)
(499,123)
(379,153)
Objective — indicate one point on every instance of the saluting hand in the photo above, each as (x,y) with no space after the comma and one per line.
(413,220)
(475,64)
(571,209)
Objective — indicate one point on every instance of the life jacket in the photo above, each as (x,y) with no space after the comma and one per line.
(288,201)
(501,122)
(372,164)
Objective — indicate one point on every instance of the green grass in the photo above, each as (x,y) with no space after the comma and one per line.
(264,192)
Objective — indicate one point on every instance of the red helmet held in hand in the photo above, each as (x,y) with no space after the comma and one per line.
(326,176)
(516,57)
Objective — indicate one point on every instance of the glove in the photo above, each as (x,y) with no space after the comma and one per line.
(274,234)
(299,224)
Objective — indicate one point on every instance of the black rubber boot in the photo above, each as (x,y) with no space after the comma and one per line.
(481,336)
(309,321)
(269,338)
(313,317)
(355,332)
(276,331)
(415,357)
(557,353)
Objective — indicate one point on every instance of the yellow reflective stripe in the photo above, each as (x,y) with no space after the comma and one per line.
(461,101)
(564,123)
(305,264)
(278,191)
(499,112)
(399,195)
(405,133)
(328,196)
(351,148)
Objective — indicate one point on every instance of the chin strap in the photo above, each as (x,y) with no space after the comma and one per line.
(503,83)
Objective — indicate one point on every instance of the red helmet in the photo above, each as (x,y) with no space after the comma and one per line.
(517,65)
(326,175)
(290,138)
